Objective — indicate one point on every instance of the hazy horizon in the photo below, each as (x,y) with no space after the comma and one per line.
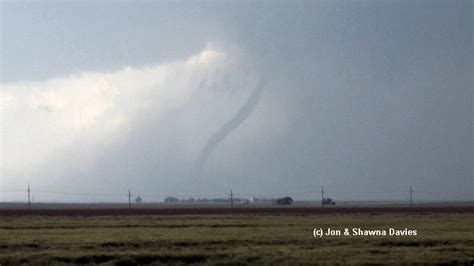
(198,98)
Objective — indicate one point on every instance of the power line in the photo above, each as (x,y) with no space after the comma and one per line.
(13,190)
(80,193)
(210,196)
(29,201)
(322,197)
(441,193)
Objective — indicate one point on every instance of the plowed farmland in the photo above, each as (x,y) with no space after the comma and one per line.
(245,236)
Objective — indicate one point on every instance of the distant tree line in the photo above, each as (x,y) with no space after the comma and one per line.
(278,201)
(284,201)
(204,200)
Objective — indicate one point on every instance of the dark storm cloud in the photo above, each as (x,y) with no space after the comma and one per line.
(360,96)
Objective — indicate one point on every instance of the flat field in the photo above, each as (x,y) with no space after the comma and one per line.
(234,239)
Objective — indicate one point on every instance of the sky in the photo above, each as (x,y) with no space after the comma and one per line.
(193,99)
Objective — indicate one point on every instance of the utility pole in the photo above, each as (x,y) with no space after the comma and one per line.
(29,201)
(411,197)
(231,199)
(322,197)
(129,199)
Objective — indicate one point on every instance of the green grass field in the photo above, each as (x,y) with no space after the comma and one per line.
(254,239)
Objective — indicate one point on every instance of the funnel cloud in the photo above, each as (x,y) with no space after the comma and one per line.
(227,129)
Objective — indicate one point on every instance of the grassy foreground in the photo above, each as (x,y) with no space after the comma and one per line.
(253,239)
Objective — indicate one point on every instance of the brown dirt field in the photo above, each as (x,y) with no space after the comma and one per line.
(216,211)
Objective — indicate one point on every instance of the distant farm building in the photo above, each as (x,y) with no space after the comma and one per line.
(328,201)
